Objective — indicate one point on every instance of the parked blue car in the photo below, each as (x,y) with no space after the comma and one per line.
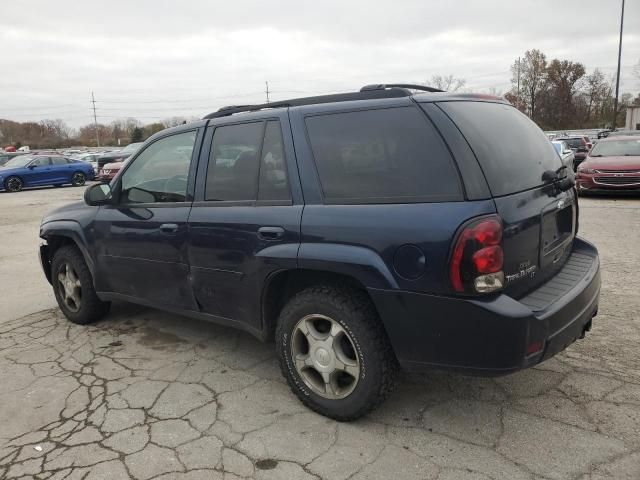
(37,170)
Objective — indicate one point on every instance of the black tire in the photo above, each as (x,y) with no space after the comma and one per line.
(78,179)
(90,307)
(353,311)
(13,184)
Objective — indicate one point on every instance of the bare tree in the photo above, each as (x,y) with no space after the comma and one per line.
(596,89)
(533,71)
(448,83)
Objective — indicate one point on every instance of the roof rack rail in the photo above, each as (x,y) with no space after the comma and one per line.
(410,86)
(367,92)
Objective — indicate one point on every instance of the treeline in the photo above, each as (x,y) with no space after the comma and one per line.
(561,94)
(57,134)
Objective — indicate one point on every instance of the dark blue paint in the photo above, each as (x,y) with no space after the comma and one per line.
(214,260)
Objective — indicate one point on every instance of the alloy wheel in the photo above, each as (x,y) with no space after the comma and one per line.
(78,179)
(14,184)
(325,357)
(69,287)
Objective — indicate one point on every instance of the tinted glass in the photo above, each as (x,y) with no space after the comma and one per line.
(382,155)
(41,161)
(574,142)
(273,172)
(160,172)
(59,160)
(611,148)
(232,173)
(513,152)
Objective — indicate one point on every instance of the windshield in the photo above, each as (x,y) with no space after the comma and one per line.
(557,146)
(616,148)
(20,161)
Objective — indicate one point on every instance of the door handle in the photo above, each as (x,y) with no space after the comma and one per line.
(271,233)
(169,227)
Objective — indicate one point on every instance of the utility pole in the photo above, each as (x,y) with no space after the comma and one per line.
(267,90)
(615,101)
(95,119)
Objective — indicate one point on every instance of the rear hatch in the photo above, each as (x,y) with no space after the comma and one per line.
(539,218)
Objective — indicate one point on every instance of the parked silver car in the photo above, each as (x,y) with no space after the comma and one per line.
(566,154)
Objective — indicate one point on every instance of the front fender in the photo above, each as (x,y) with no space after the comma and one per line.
(57,230)
(361,263)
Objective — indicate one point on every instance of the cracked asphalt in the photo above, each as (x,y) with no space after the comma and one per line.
(151,395)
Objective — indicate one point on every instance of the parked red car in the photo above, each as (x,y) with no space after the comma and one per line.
(613,164)
(108,171)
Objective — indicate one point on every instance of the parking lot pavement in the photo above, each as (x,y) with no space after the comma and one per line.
(145,394)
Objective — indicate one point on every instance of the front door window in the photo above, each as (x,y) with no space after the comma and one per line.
(160,172)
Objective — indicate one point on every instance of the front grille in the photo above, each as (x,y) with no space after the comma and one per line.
(617,171)
(618,180)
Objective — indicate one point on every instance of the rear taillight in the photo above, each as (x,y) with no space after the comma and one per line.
(476,261)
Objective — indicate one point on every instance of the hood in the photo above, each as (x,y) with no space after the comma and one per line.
(113,166)
(72,211)
(613,163)
(114,155)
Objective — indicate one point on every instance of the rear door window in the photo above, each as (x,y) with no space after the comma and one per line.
(391,155)
(273,171)
(513,152)
(232,173)
(59,160)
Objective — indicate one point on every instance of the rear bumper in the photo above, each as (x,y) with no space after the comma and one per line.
(498,335)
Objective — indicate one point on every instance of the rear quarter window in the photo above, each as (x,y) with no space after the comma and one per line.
(512,150)
(391,155)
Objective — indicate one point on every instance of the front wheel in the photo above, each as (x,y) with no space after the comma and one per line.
(334,352)
(13,184)
(78,179)
(73,287)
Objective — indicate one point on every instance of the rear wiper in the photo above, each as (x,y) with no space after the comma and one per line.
(563,183)
(552,175)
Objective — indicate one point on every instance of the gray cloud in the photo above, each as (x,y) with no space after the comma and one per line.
(155,59)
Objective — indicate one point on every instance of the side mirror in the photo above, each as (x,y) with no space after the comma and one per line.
(99,194)
(32,166)
(567,151)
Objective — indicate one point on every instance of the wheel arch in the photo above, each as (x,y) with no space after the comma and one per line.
(58,234)
(281,286)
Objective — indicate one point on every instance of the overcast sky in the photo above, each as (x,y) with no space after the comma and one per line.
(152,59)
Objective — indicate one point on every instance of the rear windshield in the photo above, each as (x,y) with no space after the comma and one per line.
(574,142)
(513,152)
(391,155)
(614,148)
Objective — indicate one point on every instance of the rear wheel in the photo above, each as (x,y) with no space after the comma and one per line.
(13,184)
(334,352)
(73,287)
(78,179)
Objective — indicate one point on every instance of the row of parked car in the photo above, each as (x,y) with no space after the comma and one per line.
(611,163)
(21,169)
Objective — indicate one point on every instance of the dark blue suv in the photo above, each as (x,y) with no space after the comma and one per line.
(361,231)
